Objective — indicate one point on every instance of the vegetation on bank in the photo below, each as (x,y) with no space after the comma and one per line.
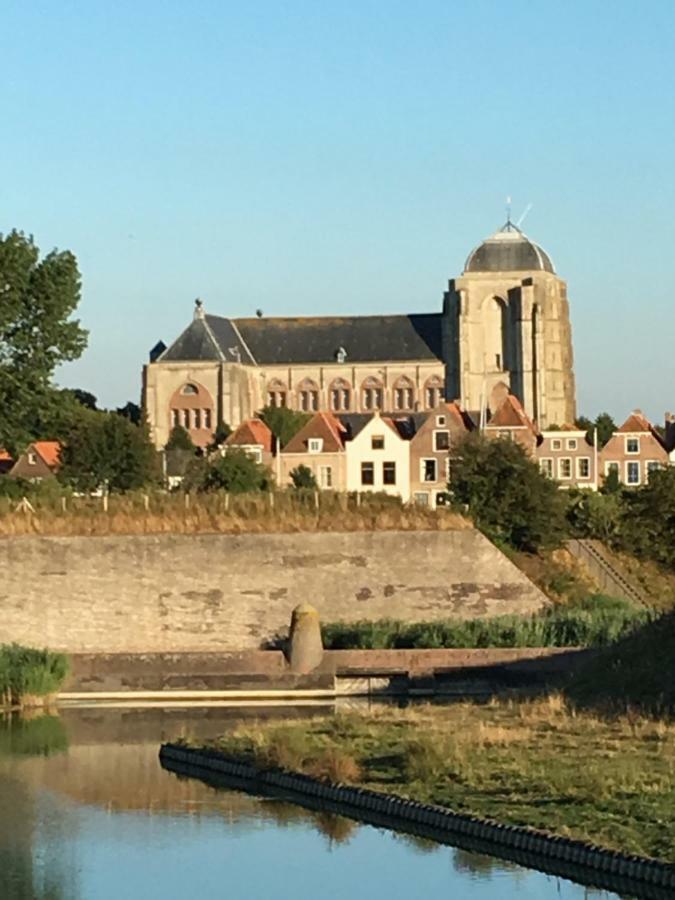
(515,762)
(592,622)
(636,673)
(28,676)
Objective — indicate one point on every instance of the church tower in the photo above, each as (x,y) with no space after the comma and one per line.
(506,328)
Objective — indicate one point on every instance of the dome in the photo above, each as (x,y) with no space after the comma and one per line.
(508,250)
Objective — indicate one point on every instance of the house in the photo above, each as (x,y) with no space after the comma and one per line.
(378,456)
(40,460)
(435,435)
(633,451)
(255,438)
(511,422)
(6,461)
(320,446)
(566,456)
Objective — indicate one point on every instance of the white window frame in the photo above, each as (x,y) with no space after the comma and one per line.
(421,498)
(423,462)
(571,444)
(613,464)
(438,449)
(440,420)
(581,459)
(314,445)
(326,477)
(633,462)
(389,462)
(556,443)
(561,460)
(632,437)
(549,469)
(32,458)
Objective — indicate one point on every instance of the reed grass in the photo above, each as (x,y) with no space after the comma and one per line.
(27,675)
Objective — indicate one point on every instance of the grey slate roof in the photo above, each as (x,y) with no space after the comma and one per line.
(310,339)
(508,250)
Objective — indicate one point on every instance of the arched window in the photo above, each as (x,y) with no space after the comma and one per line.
(308,395)
(404,394)
(190,390)
(433,391)
(340,395)
(494,315)
(277,393)
(372,394)
(192,407)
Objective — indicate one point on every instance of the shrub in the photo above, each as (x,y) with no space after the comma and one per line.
(26,673)
(303,478)
(235,472)
(336,765)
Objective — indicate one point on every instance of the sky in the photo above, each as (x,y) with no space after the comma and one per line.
(344,157)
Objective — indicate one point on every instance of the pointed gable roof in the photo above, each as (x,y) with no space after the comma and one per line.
(636,422)
(322,425)
(251,432)
(49,451)
(511,414)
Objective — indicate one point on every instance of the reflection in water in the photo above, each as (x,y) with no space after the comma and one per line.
(87,813)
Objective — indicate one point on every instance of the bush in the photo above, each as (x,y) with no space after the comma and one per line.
(26,673)
(303,478)
(235,472)
(506,494)
(592,622)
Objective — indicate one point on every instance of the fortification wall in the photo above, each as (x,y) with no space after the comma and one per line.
(195,593)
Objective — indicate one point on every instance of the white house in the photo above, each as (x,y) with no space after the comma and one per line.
(378,459)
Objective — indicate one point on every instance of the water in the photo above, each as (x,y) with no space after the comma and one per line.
(87,813)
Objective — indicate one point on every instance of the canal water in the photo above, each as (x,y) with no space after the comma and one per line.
(87,813)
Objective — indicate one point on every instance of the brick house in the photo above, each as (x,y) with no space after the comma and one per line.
(320,446)
(633,451)
(39,460)
(510,422)
(436,432)
(255,439)
(567,457)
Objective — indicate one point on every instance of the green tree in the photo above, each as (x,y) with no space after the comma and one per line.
(606,427)
(235,472)
(284,423)
(648,519)
(179,439)
(130,411)
(104,450)
(220,435)
(506,494)
(594,514)
(37,333)
(303,477)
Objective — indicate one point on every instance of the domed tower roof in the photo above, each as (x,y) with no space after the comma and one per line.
(508,250)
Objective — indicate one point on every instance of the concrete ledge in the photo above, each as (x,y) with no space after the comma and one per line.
(586,863)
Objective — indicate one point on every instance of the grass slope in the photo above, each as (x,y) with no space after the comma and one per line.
(636,672)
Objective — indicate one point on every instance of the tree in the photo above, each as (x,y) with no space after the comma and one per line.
(594,514)
(235,472)
(37,333)
(303,477)
(179,439)
(220,435)
(84,398)
(506,494)
(648,518)
(606,426)
(107,451)
(284,423)
(130,411)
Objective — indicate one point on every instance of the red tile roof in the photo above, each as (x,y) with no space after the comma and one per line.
(252,432)
(5,456)
(511,415)
(635,422)
(322,425)
(50,451)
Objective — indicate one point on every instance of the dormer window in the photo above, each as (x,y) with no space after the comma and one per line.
(32,458)
(315,445)
(341,355)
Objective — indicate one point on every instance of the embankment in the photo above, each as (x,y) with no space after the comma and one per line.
(215,592)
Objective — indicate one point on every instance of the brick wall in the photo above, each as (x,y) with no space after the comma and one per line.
(180,593)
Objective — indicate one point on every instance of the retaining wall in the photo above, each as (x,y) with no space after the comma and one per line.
(196,593)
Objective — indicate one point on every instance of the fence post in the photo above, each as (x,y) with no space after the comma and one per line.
(105,503)
(187,500)
(271,495)
(227,502)
(316,499)
(146,502)
(64,504)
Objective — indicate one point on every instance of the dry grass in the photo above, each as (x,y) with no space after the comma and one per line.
(238,514)
(532,762)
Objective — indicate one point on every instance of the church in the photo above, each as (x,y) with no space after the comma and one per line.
(504,328)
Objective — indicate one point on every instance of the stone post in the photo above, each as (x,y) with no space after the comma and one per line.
(305,648)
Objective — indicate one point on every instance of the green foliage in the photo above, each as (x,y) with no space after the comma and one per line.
(26,672)
(606,427)
(303,478)
(592,622)
(611,483)
(38,298)
(84,398)
(284,423)
(179,439)
(235,472)
(506,494)
(41,736)
(130,411)
(221,434)
(107,451)
(594,515)
(648,519)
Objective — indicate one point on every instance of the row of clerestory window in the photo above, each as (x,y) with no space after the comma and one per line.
(372,398)
(192,418)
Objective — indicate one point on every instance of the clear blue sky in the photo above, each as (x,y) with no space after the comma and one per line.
(309,157)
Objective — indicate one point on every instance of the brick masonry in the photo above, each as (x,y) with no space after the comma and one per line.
(212,593)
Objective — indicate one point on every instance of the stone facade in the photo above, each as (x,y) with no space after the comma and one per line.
(197,593)
(500,329)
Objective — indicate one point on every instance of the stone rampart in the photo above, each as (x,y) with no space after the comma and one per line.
(210,593)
